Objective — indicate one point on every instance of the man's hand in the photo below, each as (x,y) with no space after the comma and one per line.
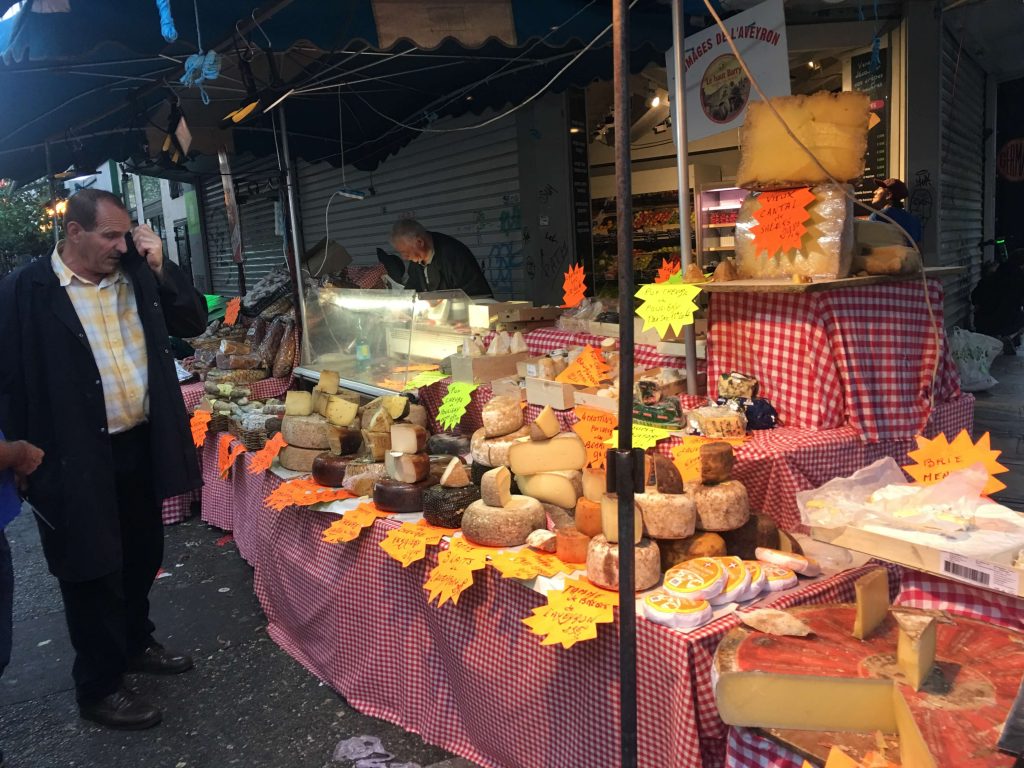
(149,245)
(28,458)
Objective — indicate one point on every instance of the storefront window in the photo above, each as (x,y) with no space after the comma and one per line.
(150,189)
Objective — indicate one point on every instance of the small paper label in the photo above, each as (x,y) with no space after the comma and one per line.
(1000,578)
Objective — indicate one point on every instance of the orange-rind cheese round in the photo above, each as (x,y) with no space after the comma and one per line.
(779,578)
(676,612)
(737,583)
(699,579)
(797,563)
(758,579)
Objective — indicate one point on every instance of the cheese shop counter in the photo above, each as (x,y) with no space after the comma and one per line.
(453,673)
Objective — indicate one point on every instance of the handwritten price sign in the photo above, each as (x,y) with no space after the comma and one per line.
(686,455)
(453,406)
(572,613)
(595,428)
(644,436)
(352,524)
(587,370)
(453,573)
(264,457)
(667,305)
(227,453)
(574,287)
(935,459)
(424,379)
(408,543)
(780,220)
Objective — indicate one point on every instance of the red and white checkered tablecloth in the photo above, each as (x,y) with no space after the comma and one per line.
(860,356)
(366,276)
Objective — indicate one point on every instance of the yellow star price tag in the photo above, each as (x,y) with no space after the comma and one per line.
(667,305)
(454,404)
(644,436)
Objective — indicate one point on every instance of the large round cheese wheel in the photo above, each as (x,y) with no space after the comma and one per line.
(308,431)
(666,515)
(395,496)
(502,526)
(722,507)
(446,443)
(502,415)
(329,469)
(493,451)
(298,459)
(444,507)
(603,564)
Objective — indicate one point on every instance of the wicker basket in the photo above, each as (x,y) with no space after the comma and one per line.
(219,423)
(252,439)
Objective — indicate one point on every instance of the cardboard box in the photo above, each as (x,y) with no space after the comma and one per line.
(486,368)
(588,397)
(511,313)
(530,367)
(509,386)
(554,393)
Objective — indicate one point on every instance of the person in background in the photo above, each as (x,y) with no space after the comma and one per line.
(86,374)
(998,301)
(18,460)
(889,196)
(434,261)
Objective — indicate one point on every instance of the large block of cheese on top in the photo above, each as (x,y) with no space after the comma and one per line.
(826,248)
(833,126)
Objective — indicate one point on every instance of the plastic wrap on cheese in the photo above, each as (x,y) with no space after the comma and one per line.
(826,248)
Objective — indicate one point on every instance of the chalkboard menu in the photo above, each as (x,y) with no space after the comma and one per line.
(873,79)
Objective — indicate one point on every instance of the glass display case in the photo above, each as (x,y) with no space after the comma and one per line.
(378,339)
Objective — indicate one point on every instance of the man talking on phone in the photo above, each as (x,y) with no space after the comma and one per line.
(87,375)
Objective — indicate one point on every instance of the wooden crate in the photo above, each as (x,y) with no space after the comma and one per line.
(588,397)
(554,393)
(486,368)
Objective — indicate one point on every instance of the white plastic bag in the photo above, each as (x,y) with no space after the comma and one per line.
(974,354)
(842,500)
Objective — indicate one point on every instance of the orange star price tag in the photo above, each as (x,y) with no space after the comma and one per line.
(200,423)
(227,453)
(574,286)
(572,613)
(264,457)
(408,543)
(303,492)
(352,524)
(453,573)
(781,220)
(935,459)
(231,311)
(666,270)
(527,564)
(595,427)
(587,370)
(686,455)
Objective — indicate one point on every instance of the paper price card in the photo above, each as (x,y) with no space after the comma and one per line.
(200,423)
(686,455)
(453,573)
(586,370)
(227,453)
(573,613)
(264,457)
(595,427)
(574,287)
(231,311)
(780,220)
(408,543)
(644,436)
(934,459)
(527,564)
(352,524)
(424,379)
(667,305)
(303,492)
(453,406)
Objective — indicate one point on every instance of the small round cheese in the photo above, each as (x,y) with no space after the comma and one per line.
(444,506)
(501,416)
(722,507)
(737,582)
(571,545)
(779,578)
(666,515)
(716,462)
(507,526)
(588,517)
(699,579)
(395,496)
(603,564)
(676,612)
(329,469)
(790,560)
(758,579)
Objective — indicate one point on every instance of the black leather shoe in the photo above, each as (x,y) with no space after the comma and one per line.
(121,710)
(157,660)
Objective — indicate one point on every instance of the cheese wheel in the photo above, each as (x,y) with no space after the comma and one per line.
(408,438)
(676,612)
(455,475)
(563,489)
(588,516)
(298,403)
(546,425)
(716,462)
(595,484)
(494,451)
(722,507)
(737,582)
(407,467)
(377,443)
(794,562)
(506,526)
(758,579)
(663,474)
(329,469)
(542,540)
(298,459)
(778,578)
(395,496)
(446,443)
(443,506)
(666,515)
(563,451)
(501,416)
(698,579)
(704,544)
(610,520)
(360,476)
(603,564)
(496,487)
(758,531)
(571,545)
(308,432)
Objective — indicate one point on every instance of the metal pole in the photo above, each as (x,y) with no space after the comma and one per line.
(53,192)
(622,462)
(285,166)
(683,180)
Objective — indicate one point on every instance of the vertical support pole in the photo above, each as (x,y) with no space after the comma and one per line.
(293,224)
(53,192)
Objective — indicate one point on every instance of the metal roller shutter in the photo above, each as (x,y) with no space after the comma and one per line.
(263,249)
(962,183)
(465,184)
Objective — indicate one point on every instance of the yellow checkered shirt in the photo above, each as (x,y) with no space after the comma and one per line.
(110,318)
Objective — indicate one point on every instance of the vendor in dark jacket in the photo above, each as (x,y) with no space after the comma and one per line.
(437,262)
(87,374)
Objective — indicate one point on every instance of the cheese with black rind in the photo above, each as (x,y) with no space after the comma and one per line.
(722,507)
(588,516)
(312,432)
(329,469)
(444,506)
(571,546)
(501,416)
(496,487)
(455,474)
(666,515)
(394,496)
(564,451)
(444,442)
(407,467)
(408,438)
(546,425)
(758,531)
(494,451)
(703,544)
(507,526)
(377,443)
(344,441)
(297,459)
(603,564)
(562,488)
(663,474)
(716,462)
(361,475)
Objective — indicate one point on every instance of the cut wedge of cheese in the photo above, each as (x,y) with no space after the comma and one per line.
(455,475)
(339,411)
(872,590)
(563,489)
(595,484)
(915,648)
(564,451)
(610,520)
(494,451)
(298,403)
(329,382)
(407,467)
(546,425)
(377,444)
(496,487)
(408,438)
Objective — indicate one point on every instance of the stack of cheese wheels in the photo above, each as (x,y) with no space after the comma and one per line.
(503,427)
(666,512)
(309,434)
(549,469)
(500,518)
(445,503)
(407,465)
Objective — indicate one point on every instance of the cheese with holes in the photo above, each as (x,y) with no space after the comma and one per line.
(588,516)
(298,403)
(563,451)
(507,526)
(872,591)
(308,432)
(443,506)
(501,416)
(546,425)
(722,507)
(676,612)
(298,459)
(603,564)
(666,515)
(563,488)
(610,519)
(703,544)
(400,497)
(407,467)
(340,411)
(542,540)
(494,451)
(496,487)
(595,484)
(915,647)
(455,475)
(361,475)
(408,438)
(701,578)
(737,582)
(329,383)
(329,469)
(377,444)
(834,127)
